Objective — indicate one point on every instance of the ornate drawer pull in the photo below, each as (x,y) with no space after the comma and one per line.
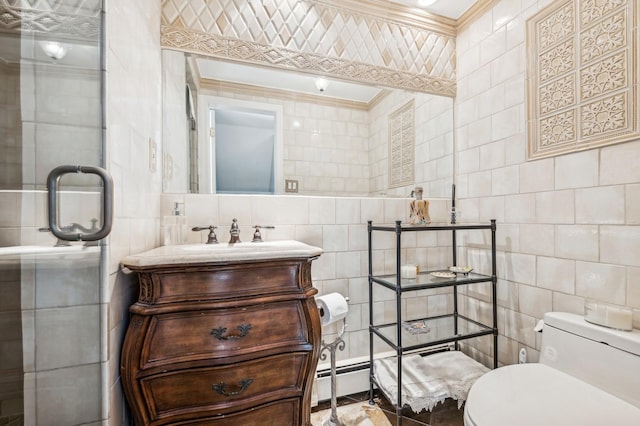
(218,333)
(221,388)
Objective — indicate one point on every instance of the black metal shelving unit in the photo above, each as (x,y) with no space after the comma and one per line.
(452,327)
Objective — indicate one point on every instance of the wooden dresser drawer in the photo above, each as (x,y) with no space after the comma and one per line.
(224,389)
(222,282)
(201,335)
(281,413)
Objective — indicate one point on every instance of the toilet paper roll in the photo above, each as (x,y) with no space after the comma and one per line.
(333,307)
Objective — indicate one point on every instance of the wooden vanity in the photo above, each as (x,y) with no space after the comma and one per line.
(222,337)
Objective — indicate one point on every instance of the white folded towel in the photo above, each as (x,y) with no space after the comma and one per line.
(428,380)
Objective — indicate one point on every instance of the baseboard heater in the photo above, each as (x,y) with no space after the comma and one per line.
(353,378)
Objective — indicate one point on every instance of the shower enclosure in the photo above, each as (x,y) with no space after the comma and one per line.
(52,343)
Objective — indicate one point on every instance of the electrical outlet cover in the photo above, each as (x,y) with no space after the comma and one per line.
(522,356)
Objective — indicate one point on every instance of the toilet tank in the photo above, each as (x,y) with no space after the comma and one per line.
(606,358)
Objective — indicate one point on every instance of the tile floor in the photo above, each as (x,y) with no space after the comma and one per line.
(12,421)
(446,414)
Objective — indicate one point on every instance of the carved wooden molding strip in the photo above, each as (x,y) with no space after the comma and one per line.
(583,76)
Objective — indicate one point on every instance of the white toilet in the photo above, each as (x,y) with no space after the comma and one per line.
(587,375)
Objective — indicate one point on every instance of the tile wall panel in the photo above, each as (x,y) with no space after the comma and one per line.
(134,118)
(582,82)
(569,222)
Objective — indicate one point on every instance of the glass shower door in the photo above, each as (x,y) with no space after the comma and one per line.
(51,310)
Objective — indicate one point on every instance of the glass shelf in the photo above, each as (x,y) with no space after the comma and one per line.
(435,331)
(425,280)
(441,226)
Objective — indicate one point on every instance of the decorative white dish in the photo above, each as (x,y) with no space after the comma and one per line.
(460,269)
(439,274)
(416,327)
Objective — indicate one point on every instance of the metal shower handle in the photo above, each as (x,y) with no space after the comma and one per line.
(107,203)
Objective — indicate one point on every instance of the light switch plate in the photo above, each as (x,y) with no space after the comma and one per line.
(290,185)
(153,155)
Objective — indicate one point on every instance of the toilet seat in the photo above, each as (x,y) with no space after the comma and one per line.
(536,394)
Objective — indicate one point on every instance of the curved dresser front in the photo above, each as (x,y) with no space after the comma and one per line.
(231,342)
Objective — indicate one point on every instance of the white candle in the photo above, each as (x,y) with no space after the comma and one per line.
(619,318)
(609,316)
(409,271)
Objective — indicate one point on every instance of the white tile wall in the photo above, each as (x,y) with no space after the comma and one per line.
(338,226)
(556,274)
(577,171)
(601,281)
(10,126)
(571,222)
(74,381)
(134,115)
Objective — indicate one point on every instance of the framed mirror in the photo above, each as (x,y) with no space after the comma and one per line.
(243,128)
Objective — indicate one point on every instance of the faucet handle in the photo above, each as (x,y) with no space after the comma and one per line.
(235,232)
(257,236)
(212,238)
(59,242)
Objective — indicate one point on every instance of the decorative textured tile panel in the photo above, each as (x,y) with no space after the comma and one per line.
(72,7)
(606,36)
(583,76)
(557,61)
(604,76)
(402,146)
(314,36)
(604,116)
(557,26)
(593,10)
(72,19)
(558,130)
(558,94)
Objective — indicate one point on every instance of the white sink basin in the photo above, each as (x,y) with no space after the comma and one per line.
(222,247)
(222,252)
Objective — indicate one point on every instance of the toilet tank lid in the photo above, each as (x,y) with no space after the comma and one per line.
(628,341)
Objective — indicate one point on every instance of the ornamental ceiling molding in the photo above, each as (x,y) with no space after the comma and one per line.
(583,76)
(52,18)
(264,92)
(314,37)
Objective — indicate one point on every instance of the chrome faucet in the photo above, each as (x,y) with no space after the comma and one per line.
(78,227)
(212,238)
(235,232)
(257,236)
(75,227)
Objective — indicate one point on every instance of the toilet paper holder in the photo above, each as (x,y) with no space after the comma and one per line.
(337,344)
(332,308)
